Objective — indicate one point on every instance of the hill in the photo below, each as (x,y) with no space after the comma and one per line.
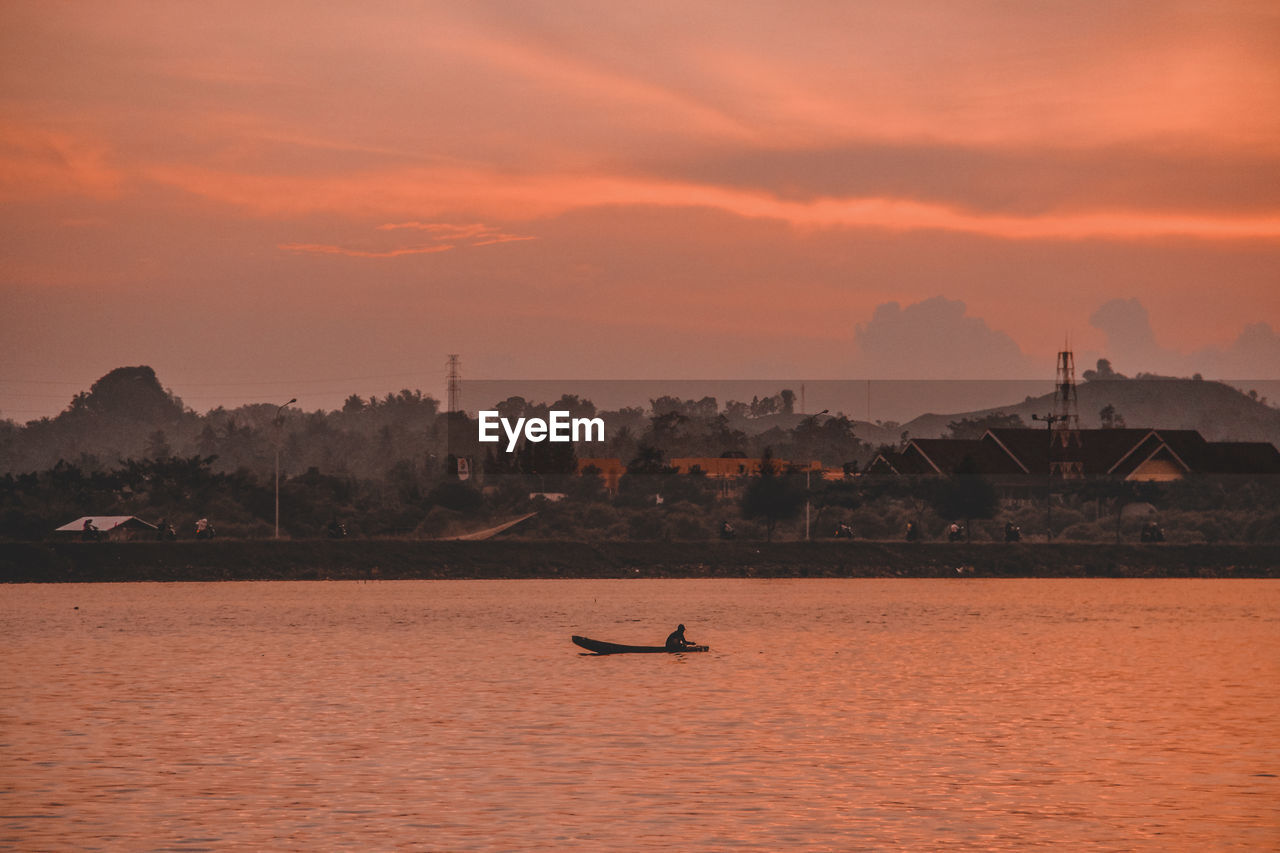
(1218,411)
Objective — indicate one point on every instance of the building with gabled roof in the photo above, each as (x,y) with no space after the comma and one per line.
(946,456)
(893,463)
(1240,457)
(1010,455)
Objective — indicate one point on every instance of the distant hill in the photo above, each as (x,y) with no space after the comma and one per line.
(1218,411)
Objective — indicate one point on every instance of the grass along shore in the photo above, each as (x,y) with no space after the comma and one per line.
(401,559)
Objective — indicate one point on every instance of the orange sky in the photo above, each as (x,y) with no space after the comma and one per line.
(260,197)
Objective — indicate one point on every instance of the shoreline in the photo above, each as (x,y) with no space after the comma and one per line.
(394,559)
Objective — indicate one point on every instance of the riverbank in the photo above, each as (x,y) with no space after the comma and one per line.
(78,562)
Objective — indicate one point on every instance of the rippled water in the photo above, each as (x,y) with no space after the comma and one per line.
(456,715)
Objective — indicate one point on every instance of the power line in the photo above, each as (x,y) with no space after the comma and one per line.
(297,381)
(230,384)
(39,382)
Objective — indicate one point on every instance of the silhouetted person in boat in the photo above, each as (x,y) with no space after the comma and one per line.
(677,639)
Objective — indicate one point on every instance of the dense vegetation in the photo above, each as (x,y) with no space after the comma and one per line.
(386,467)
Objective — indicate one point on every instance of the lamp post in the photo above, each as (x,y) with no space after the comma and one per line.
(279,419)
(812,422)
(1049,421)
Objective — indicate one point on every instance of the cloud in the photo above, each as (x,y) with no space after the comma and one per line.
(571,79)
(38,163)
(1130,339)
(321,249)
(534,196)
(445,228)
(1028,124)
(472,235)
(1256,352)
(475,235)
(1021,180)
(935,339)
(1132,347)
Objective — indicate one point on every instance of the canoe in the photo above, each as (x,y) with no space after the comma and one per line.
(602,648)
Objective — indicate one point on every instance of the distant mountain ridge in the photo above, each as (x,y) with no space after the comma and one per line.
(1216,410)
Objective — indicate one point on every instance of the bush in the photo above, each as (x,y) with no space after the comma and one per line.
(438,522)
(456,496)
(688,522)
(649,525)
(1086,531)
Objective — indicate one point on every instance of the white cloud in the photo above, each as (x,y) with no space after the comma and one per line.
(1132,347)
(935,339)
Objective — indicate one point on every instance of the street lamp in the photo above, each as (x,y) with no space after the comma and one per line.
(1049,421)
(279,419)
(812,422)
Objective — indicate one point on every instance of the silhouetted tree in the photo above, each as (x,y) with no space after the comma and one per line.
(965,495)
(771,495)
(158,445)
(1111,419)
(648,460)
(977,427)
(1104,371)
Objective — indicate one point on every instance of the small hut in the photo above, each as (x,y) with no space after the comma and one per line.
(116,528)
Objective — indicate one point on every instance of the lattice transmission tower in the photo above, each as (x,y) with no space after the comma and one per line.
(454,385)
(1066,456)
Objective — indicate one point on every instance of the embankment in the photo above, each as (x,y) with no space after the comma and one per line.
(62,562)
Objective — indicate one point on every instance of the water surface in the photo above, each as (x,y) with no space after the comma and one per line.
(456,715)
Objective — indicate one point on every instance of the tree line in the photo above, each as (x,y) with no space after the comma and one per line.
(389,467)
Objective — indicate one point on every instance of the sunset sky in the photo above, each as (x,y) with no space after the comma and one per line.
(274,200)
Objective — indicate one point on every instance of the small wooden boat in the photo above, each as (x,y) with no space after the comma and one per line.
(600,647)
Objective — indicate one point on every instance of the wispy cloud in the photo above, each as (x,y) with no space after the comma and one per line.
(727,176)
(446,236)
(475,234)
(542,196)
(502,238)
(321,249)
(460,231)
(36,163)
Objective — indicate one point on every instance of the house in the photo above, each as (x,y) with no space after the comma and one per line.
(116,528)
(1010,456)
